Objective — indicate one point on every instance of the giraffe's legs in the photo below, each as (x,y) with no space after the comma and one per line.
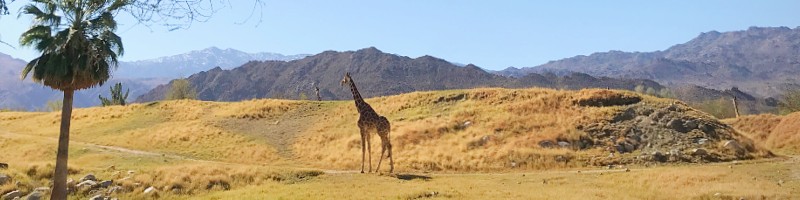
(391,158)
(369,151)
(363,150)
(383,150)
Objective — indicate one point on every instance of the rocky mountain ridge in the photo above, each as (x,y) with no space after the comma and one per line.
(376,73)
(761,61)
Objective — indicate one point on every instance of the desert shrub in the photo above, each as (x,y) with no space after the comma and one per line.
(181,89)
(790,101)
(53,105)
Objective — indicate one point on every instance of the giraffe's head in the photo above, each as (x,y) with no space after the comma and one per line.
(346,80)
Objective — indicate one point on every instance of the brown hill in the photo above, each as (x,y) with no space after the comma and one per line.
(377,74)
(780,133)
(485,129)
(762,61)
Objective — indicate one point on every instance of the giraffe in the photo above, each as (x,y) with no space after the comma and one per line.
(369,120)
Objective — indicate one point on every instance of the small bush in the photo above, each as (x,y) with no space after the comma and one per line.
(181,89)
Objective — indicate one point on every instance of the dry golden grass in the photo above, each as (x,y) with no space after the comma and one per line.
(487,129)
(178,127)
(780,133)
(777,179)
(463,130)
(216,150)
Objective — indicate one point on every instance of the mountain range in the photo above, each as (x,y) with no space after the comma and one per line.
(758,61)
(186,64)
(138,76)
(761,61)
(376,73)
(27,95)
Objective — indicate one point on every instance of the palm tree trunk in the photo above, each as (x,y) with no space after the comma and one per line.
(60,176)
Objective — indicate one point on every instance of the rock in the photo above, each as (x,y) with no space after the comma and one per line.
(699,152)
(733,146)
(4,178)
(705,128)
(89,177)
(86,184)
(702,141)
(628,114)
(690,124)
(619,148)
(106,184)
(546,144)
(98,197)
(11,195)
(42,189)
(673,107)
(677,125)
(3,165)
(563,144)
(657,156)
(114,189)
(150,190)
(628,147)
(34,196)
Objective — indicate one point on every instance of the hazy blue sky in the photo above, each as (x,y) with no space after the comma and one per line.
(490,34)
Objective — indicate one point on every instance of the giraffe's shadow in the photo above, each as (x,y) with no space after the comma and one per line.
(409,177)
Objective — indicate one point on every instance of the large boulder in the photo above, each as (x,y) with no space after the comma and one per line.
(4,178)
(36,195)
(733,146)
(11,195)
(150,190)
(86,185)
(88,177)
(106,184)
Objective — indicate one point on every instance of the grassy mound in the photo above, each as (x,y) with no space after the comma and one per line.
(486,129)
(504,129)
(781,133)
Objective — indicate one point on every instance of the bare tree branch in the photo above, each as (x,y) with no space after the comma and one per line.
(177,14)
(4,7)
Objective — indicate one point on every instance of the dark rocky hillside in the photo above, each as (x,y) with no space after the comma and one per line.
(760,61)
(375,72)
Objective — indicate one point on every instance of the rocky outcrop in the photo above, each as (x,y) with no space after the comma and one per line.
(672,133)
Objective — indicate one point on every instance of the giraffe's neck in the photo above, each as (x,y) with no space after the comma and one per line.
(361,105)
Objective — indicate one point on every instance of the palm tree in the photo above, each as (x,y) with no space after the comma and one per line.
(78,50)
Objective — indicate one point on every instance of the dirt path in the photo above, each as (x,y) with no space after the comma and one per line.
(105,148)
(279,132)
